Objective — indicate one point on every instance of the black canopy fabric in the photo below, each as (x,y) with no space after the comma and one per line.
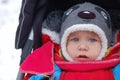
(31,15)
(33,12)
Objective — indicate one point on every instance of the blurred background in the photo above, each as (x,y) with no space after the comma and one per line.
(9,56)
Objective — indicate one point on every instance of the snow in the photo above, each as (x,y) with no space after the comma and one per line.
(9,56)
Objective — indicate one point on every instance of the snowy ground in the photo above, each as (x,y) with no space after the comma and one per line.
(9,56)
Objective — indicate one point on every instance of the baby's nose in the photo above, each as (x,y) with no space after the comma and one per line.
(83,47)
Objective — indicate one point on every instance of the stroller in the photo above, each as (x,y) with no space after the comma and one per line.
(29,31)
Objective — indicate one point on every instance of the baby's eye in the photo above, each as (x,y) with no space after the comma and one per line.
(75,39)
(92,40)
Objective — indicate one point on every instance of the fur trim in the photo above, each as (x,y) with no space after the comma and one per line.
(84,27)
(54,36)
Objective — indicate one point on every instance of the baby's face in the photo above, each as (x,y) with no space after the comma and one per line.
(83,46)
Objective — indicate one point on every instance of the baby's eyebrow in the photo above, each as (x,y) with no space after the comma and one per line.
(72,34)
(94,34)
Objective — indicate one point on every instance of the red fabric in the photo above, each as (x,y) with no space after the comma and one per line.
(90,70)
(115,49)
(40,61)
(88,75)
(46,38)
(118,37)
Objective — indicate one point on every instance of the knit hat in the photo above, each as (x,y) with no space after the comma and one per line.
(86,17)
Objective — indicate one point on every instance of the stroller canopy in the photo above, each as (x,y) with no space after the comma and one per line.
(33,12)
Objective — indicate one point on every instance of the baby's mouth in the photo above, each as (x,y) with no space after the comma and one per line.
(82,58)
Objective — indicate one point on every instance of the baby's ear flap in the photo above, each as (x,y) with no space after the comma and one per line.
(115,18)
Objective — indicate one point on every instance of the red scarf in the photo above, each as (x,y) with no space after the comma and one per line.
(41,61)
(90,70)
